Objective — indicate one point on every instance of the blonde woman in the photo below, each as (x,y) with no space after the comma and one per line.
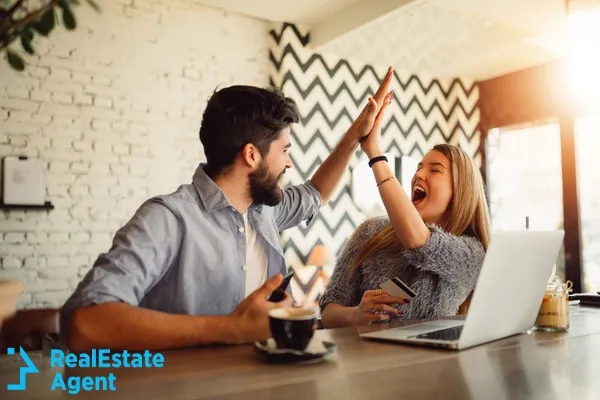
(435,242)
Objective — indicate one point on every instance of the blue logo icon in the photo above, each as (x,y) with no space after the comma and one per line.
(30,368)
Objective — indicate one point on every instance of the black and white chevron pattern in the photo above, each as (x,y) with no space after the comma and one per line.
(330,93)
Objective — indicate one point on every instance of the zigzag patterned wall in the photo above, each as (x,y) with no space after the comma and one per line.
(330,93)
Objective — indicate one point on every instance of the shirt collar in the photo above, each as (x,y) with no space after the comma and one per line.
(211,195)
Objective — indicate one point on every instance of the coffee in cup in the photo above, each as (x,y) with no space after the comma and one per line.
(292,328)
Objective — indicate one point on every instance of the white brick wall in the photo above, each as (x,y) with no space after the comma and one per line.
(114,109)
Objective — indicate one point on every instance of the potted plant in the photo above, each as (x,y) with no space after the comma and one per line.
(21,21)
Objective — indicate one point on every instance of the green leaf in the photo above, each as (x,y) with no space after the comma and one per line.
(46,23)
(27,34)
(27,47)
(26,38)
(68,18)
(94,5)
(15,60)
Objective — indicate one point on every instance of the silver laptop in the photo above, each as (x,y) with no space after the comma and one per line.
(506,300)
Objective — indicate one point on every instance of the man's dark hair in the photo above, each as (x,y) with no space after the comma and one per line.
(238,115)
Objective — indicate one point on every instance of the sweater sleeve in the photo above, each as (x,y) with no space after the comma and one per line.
(344,289)
(455,259)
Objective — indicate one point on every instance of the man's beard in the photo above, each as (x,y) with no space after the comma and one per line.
(264,186)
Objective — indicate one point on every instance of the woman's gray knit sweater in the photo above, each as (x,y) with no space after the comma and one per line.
(443,272)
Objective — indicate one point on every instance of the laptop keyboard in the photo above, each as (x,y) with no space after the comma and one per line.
(448,334)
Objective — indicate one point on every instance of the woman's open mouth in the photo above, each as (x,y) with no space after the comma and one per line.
(418,194)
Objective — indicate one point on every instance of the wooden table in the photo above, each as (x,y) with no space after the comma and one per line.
(535,365)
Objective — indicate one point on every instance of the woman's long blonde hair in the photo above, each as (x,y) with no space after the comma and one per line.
(467,213)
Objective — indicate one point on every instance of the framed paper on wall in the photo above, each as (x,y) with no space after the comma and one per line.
(23,181)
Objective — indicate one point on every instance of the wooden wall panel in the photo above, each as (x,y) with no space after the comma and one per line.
(531,94)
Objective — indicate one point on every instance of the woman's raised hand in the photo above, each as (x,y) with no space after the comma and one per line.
(364,123)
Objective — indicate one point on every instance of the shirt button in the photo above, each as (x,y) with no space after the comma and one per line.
(241,229)
(244,267)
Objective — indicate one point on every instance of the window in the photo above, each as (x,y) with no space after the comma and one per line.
(524,179)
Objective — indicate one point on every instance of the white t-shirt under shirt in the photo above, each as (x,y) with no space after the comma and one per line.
(256,259)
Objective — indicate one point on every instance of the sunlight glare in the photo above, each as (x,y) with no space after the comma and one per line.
(584,56)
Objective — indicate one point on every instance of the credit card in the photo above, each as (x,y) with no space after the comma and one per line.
(395,287)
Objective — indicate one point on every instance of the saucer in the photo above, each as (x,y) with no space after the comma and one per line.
(316,351)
